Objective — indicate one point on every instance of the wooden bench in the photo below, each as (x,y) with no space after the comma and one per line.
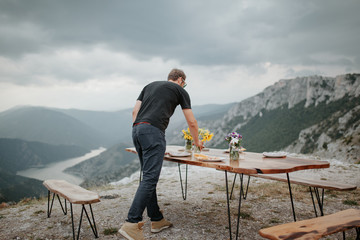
(313,185)
(75,195)
(316,228)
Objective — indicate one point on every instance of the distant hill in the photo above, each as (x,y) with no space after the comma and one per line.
(16,155)
(14,188)
(111,165)
(114,126)
(47,126)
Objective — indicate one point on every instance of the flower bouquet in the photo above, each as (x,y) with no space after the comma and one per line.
(234,139)
(188,139)
(204,136)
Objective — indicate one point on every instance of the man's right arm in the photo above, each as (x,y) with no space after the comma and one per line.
(193,126)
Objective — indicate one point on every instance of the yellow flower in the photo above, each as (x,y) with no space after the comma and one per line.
(204,135)
(187,134)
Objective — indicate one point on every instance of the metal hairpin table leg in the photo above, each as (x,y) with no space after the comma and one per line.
(228,203)
(247,187)
(291,197)
(239,206)
(184,193)
(232,188)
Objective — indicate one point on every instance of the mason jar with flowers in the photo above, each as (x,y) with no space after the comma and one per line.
(204,136)
(188,140)
(234,139)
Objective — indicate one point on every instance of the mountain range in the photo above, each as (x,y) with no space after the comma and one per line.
(311,115)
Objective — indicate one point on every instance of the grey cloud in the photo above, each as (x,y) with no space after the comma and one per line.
(207,33)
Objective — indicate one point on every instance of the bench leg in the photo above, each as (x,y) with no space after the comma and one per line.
(320,201)
(92,223)
(52,202)
(184,193)
(291,197)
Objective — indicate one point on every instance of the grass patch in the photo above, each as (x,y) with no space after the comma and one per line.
(350,202)
(245,215)
(2,216)
(274,220)
(39,212)
(110,231)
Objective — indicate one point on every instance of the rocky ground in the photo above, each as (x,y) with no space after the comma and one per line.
(203,215)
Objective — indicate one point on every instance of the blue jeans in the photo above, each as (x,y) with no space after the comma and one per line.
(150,145)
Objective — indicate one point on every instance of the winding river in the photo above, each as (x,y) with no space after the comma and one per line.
(55,170)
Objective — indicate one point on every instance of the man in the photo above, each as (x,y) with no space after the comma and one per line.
(153,109)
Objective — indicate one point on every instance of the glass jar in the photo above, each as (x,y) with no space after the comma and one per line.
(188,145)
(234,153)
(197,149)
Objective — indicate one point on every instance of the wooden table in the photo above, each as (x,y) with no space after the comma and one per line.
(250,163)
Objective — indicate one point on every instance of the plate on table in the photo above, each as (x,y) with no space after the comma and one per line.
(275,154)
(179,154)
(206,158)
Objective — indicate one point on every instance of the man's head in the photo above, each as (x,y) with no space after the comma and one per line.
(175,74)
(178,76)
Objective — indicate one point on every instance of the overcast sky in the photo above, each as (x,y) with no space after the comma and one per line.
(98,55)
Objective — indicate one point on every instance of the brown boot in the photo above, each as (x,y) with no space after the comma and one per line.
(158,226)
(132,231)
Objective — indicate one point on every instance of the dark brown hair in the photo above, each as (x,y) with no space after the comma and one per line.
(175,74)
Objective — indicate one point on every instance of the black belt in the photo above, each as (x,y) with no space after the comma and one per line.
(135,124)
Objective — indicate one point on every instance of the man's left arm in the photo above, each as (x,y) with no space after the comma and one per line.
(136,110)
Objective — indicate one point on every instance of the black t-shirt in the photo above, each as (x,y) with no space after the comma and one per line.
(158,102)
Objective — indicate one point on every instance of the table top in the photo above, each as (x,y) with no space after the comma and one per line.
(250,163)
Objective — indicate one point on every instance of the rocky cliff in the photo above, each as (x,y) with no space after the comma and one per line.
(322,112)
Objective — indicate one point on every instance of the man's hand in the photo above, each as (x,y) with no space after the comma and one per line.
(199,144)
